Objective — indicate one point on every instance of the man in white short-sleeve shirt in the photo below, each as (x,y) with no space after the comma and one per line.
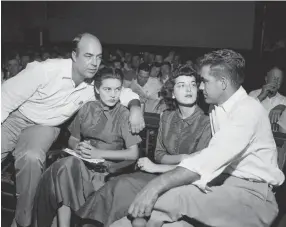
(42,97)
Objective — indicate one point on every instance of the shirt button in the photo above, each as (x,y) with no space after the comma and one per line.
(81,102)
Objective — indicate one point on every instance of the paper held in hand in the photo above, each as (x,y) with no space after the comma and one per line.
(72,152)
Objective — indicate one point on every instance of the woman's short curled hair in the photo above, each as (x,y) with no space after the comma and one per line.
(168,88)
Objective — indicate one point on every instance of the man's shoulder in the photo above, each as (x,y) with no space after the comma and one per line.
(249,106)
(57,62)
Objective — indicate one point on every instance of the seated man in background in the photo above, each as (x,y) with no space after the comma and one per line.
(268,95)
(230,182)
(166,72)
(38,100)
(13,65)
(130,70)
(147,88)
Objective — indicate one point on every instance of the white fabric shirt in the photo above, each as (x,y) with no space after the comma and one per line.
(45,93)
(242,144)
(269,103)
(150,90)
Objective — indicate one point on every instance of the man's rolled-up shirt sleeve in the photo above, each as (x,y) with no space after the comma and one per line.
(226,145)
(127,95)
(20,88)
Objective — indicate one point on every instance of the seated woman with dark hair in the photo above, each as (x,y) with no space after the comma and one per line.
(183,130)
(100,130)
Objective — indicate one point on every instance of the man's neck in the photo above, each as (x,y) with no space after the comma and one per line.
(76,77)
(226,95)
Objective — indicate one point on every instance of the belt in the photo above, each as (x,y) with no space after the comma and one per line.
(257,181)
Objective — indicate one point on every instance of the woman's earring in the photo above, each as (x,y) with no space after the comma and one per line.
(173,97)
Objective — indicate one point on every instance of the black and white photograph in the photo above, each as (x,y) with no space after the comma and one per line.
(143,113)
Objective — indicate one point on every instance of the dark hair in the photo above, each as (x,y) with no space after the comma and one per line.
(76,40)
(144,67)
(227,61)
(168,87)
(107,73)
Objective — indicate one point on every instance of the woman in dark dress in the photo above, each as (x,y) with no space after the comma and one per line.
(100,130)
(184,129)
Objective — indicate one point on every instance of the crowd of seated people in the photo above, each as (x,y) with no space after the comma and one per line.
(202,161)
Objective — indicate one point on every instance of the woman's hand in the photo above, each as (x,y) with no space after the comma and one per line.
(146,165)
(86,150)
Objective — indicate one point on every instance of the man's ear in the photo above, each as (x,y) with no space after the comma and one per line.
(224,82)
(74,56)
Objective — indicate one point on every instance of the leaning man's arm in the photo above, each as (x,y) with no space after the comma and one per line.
(129,98)
(20,88)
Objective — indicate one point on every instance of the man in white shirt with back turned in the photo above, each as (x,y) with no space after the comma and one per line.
(42,97)
(230,182)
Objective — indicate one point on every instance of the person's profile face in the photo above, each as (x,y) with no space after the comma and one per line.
(210,86)
(88,57)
